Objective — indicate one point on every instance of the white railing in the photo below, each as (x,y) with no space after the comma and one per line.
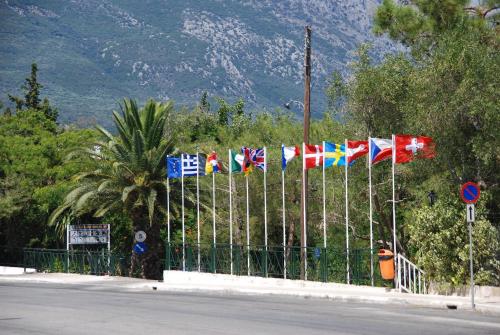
(411,278)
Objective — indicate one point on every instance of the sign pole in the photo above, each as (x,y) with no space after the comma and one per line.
(471,268)
(470,193)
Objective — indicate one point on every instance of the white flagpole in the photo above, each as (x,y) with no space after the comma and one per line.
(213,214)
(230,211)
(198,209)
(265,206)
(324,198)
(371,208)
(248,228)
(168,210)
(67,247)
(346,161)
(213,208)
(109,248)
(304,251)
(182,213)
(283,211)
(394,247)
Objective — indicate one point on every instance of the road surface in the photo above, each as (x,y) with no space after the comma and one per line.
(36,308)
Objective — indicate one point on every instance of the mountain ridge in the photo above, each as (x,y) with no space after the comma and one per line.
(93,53)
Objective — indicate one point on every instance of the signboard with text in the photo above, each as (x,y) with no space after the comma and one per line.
(89,234)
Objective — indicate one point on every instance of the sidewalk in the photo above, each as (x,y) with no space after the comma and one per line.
(226,284)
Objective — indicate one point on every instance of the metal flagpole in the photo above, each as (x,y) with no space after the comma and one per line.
(230,211)
(182,213)
(248,229)
(371,208)
(109,248)
(213,214)
(394,196)
(394,247)
(324,198)
(67,248)
(198,209)
(265,208)
(284,218)
(304,251)
(346,161)
(168,220)
(168,211)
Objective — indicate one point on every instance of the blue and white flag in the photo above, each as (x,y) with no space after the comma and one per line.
(192,165)
(173,167)
(287,154)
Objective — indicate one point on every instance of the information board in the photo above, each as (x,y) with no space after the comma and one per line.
(89,234)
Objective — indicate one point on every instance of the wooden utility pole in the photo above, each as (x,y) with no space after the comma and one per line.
(307,110)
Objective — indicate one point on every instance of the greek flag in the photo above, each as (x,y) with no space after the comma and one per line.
(193,165)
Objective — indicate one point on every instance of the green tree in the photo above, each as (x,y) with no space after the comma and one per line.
(440,238)
(31,89)
(33,176)
(130,177)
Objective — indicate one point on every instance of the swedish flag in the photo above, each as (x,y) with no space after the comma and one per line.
(334,154)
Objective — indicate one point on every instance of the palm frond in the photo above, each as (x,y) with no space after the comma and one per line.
(126,192)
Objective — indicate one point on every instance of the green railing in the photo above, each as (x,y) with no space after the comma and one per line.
(76,261)
(323,264)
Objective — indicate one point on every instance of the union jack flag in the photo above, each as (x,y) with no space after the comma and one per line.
(255,157)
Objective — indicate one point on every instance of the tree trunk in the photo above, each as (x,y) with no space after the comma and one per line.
(147,265)
(151,266)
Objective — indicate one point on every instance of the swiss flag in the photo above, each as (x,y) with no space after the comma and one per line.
(409,147)
(313,156)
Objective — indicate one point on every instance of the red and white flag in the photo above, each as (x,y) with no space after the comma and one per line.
(409,147)
(356,149)
(313,156)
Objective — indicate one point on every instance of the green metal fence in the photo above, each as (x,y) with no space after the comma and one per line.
(323,264)
(76,261)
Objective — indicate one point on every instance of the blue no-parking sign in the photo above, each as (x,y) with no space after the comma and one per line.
(470,192)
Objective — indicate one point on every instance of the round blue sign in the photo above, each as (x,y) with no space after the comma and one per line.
(470,192)
(140,248)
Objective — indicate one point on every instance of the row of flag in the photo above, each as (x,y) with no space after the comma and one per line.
(407,147)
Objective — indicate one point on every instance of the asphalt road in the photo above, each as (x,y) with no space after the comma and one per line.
(32,308)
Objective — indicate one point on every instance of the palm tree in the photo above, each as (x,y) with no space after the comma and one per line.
(130,177)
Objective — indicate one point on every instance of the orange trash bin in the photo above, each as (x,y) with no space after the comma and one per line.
(386,263)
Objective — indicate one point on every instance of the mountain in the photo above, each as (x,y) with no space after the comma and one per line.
(92,53)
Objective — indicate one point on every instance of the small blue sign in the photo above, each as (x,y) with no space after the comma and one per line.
(140,248)
(317,253)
